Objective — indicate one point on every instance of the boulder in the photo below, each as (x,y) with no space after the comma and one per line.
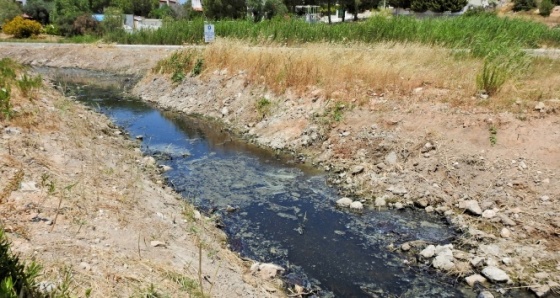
(495,274)
(428,252)
(344,202)
(471,206)
(356,205)
(473,279)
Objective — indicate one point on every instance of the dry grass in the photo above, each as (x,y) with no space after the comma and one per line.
(347,74)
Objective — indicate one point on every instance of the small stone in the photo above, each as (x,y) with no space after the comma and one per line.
(357,169)
(541,290)
(391,158)
(429,209)
(540,106)
(344,202)
(266,270)
(476,261)
(506,220)
(397,189)
(166,168)
(230,209)
(505,233)
(225,111)
(428,252)
(380,201)
(197,215)
(541,275)
(155,243)
(489,213)
(356,205)
(29,187)
(473,279)
(485,294)
(85,266)
(507,261)
(545,198)
(495,274)
(443,262)
(471,206)
(405,246)
(399,205)
(522,165)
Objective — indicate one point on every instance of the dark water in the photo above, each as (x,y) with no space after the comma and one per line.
(285,213)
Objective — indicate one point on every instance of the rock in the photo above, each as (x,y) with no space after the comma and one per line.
(356,205)
(405,246)
(380,202)
(165,168)
(476,261)
(489,213)
(225,111)
(541,275)
(473,279)
(545,198)
(148,160)
(423,202)
(522,165)
(85,266)
(541,290)
(29,187)
(399,205)
(140,137)
(485,294)
(471,206)
(155,243)
(429,209)
(540,106)
(197,215)
(230,209)
(507,261)
(356,169)
(443,262)
(266,270)
(391,158)
(505,233)
(427,147)
(428,252)
(506,220)
(11,131)
(46,286)
(397,189)
(344,202)
(495,274)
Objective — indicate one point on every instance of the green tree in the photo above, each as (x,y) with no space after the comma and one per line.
(113,20)
(545,8)
(273,8)
(163,12)
(519,5)
(225,9)
(39,10)
(142,7)
(65,12)
(8,10)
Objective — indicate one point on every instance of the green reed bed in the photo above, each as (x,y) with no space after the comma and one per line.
(478,33)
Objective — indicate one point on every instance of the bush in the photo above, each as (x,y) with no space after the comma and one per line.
(16,279)
(21,28)
(9,9)
(86,24)
(519,5)
(545,8)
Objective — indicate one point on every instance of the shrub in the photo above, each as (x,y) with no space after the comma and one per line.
(545,8)
(21,28)
(16,279)
(9,9)
(85,24)
(519,5)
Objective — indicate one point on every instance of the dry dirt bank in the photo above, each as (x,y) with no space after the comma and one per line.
(80,199)
(493,175)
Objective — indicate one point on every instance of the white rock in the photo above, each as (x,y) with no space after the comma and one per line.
(507,261)
(380,202)
(357,169)
(29,187)
(443,262)
(397,189)
(495,274)
(197,215)
(429,209)
(225,111)
(344,202)
(471,206)
(545,198)
(476,261)
(399,205)
(540,107)
(489,213)
(473,279)
(428,252)
(542,275)
(485,294)
(505,233)
(266,270)
(148,160)
(391,158)
(405,246)
(356,205)
(541,290)
(444,250)
(155,243)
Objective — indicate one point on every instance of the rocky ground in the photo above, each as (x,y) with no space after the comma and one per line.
(493,175)
(78,197)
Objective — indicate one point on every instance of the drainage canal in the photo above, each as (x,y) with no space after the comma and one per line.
(275,211)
